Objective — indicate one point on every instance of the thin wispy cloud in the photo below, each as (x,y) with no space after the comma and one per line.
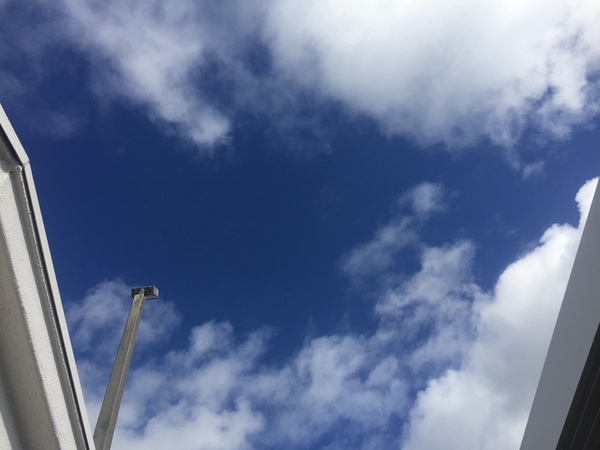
(148,53)
(100,312)
(425,199)
(456,364)
(375,256)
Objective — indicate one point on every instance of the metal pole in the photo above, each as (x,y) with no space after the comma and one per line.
(107,420)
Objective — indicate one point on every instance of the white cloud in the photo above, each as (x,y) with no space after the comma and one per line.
(437,72)
(193,397)
(484,404)
(472,357)
(377,255)
(148,52)
(425,198)
(216,394)
(438,299)
(105,308)
(451,72)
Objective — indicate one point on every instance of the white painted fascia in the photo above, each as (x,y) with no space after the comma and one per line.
(41,402)
(571,342)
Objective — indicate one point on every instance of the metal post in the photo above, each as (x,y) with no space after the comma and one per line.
(107,420)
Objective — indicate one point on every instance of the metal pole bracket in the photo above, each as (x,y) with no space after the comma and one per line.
(150,292)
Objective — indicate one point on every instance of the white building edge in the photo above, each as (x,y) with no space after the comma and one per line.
(41,402)
(565,412)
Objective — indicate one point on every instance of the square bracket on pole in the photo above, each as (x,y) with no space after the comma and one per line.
(150,292)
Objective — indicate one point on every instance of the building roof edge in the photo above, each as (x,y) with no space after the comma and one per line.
(56,320)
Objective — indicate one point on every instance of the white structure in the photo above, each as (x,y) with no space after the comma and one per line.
(41,404)
(567,400)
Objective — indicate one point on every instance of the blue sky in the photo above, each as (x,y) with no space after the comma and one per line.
(361,217)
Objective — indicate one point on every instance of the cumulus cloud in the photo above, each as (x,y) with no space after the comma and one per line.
(450,72)
(484,404)
(447,366)
(216,394)
(455,73)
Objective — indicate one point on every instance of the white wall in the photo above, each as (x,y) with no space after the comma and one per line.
(41,405)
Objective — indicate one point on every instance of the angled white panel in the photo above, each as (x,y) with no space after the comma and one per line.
(571,342)
(41,404)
